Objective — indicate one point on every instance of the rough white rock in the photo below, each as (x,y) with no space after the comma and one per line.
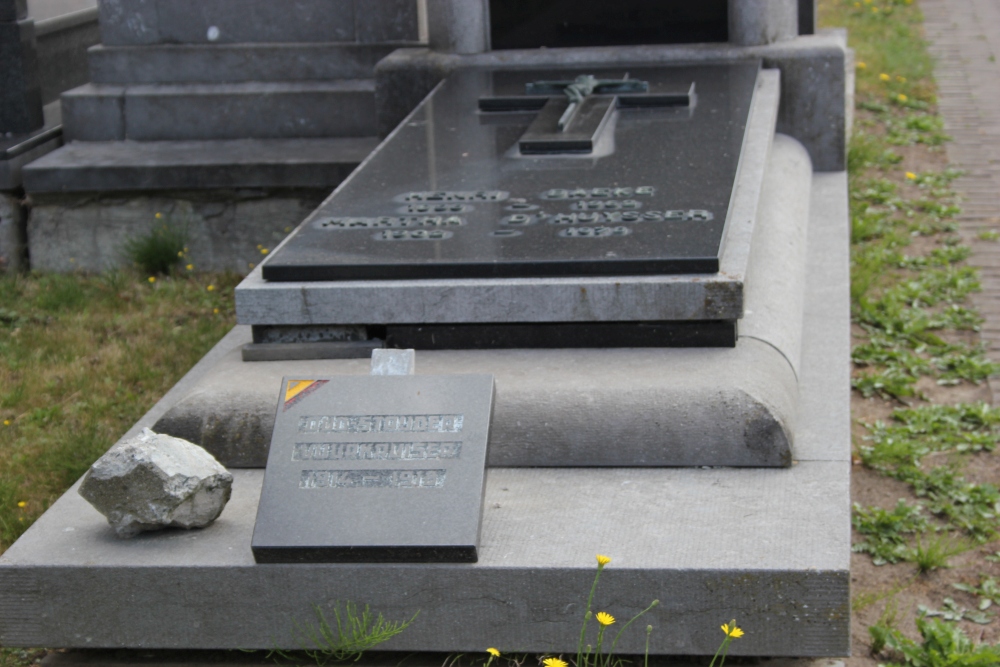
(154,481)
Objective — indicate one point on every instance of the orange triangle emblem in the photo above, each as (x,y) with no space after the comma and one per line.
(299,389)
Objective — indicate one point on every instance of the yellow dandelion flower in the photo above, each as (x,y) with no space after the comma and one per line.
(554,662)
(901,97)
(910,175)
(151,279)
(20,518)
(180,253)
(189,267)
(22,504)
(909,2)
(603,560)
(158,216)
(874,10)
(733,631)
(211,288)
(884,77)
(215,311)
(259,246)
(492,651)
(857,5)
(901,79)
(604,618)
(6,422)
(264,251)
(288,229)
(861,65)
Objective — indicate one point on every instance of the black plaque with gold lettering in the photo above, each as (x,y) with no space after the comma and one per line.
(376,469)
(535,173)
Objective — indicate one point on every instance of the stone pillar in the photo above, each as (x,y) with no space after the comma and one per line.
(12,245)
(20,88)
(807,17)
(758,22)
(458,26)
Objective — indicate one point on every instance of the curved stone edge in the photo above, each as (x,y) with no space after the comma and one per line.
(659,407)
(774,294)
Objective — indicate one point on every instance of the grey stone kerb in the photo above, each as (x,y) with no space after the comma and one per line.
(727,406)
(814,77)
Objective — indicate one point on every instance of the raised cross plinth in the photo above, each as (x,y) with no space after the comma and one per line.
(572,114)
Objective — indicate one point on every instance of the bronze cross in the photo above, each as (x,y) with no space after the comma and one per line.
(573,113)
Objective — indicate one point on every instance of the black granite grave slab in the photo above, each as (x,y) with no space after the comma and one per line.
(637,183)
(376,469)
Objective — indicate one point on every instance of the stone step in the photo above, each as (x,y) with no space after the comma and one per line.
(251,110)
(232,63)
(84,166)
(130,22)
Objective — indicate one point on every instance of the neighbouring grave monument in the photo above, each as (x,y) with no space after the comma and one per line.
(644,246)
(38,60)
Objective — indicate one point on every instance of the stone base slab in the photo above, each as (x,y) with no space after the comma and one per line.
(103,658)
(768,547)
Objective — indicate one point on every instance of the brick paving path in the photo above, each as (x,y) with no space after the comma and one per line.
(964,38)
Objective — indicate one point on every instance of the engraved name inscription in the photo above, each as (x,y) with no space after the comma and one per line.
(372,479)
(375,451)
(471,195)
(599,193)
(390,222)
(607,217)
(381,423)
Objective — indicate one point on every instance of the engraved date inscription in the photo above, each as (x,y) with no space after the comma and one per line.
(372,479)
(375,451)
(594,232)
(381,423)
(414,235)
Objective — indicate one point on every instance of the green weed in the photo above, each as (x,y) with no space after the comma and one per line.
(886,531)
(354,631)
(934,553)
(988,592)
(160,250)
(885,626)
(951,611)
(943,645)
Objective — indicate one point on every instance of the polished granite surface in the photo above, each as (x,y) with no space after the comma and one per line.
(450,194)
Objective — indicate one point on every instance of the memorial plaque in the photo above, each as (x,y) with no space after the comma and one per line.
(534,173)
(376,469)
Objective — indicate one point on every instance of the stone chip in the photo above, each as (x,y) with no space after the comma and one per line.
(156,481)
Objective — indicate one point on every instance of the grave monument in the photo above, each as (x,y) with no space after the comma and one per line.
(40,59)
(644,245)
